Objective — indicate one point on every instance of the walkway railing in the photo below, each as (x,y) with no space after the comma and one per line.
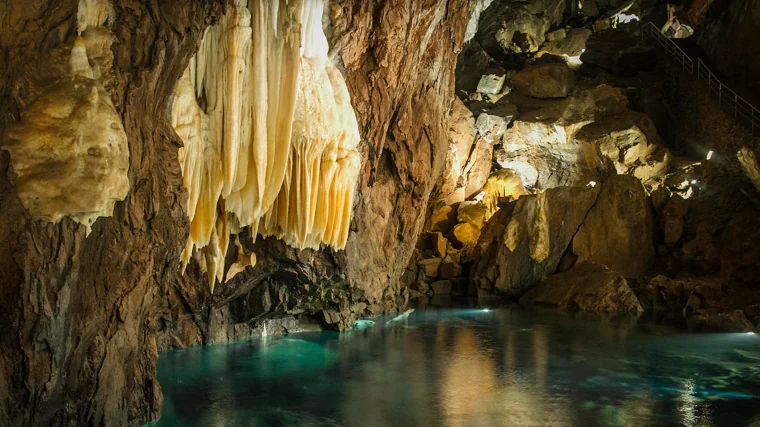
(744,112)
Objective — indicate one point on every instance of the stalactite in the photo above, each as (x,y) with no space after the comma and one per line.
(269,132)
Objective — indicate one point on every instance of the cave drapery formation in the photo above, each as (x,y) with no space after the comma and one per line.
(273,145)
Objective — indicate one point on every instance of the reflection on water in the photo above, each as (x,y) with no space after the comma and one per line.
(468,367)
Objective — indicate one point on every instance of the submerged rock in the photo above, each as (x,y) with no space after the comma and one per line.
(586,287)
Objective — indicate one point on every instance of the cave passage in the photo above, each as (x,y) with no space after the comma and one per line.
(468,366)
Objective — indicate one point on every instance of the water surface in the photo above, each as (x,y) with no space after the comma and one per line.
(469,367)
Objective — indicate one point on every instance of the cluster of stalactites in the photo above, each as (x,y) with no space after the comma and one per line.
(269,132)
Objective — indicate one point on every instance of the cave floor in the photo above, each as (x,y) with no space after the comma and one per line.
(470,365)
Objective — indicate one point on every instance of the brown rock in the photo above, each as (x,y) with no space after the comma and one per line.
(672,219)
(466,235)
(618,230)
(443,219)
(588,287)
(450,270)
(430,266)
(551,80)
(472,212)
(441,287)
(518,249)
(478,167)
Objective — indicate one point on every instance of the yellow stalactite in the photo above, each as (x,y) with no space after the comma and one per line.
(269,133)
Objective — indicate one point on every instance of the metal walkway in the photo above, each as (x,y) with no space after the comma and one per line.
(744,112)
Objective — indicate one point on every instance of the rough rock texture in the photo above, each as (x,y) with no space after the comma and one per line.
(77,310)
(586,137)
(552,80)
(711,302)
(586,287)
(79,313)
(520,247)
(514,27)
(619,230)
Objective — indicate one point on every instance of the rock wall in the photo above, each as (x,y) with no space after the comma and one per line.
(80,313)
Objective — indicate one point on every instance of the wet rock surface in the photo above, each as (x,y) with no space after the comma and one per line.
(587,286)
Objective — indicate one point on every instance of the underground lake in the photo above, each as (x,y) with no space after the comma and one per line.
(472,366)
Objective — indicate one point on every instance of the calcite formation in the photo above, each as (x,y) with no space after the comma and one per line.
(69,150)
(268,130)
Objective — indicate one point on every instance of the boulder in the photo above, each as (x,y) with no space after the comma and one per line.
(550,80)
(491,127)
(517,27)
(587,287)
(618,230)
(524,242)
(441,287)
(546,148)
(663,295)
(449,269)
(631,144)
(472,212)
(430,266)
(491,84)
(572,45)
(672,219)
(443,218)
(466,235)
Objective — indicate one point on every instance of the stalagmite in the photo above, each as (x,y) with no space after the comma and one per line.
(269,133)
(69,150)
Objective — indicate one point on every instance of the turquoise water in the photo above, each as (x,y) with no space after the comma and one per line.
(469,367)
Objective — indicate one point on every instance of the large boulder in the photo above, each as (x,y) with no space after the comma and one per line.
(618,231)
(588,287)
(572,44)
(549,80)
(546,147)
(523,243)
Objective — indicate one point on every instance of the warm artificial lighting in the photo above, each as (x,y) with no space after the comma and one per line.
(591,184)
(685,183)
(693,181)
(479,196)
(709,155)
(274,146)
(575,60)
(689,193)
(624,19)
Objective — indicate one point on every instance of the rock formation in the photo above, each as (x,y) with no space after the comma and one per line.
(586,287)
(85,315)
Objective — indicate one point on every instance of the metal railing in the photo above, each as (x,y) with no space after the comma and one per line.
(744,112)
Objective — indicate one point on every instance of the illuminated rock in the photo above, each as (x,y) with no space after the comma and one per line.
(271,145)
(588,287)
(524,242)
(69,151)
(618,230)
(552,80)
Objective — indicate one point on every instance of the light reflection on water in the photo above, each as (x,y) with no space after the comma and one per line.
(505,367)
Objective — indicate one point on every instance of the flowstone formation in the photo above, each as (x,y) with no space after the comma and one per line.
(69,150)
(269,133)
